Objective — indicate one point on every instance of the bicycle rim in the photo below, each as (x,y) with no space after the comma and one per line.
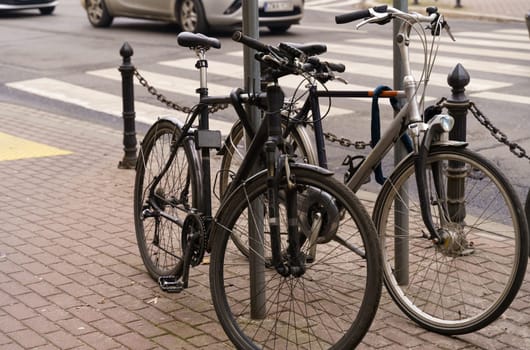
(466,283)
(330,306)
(159,239)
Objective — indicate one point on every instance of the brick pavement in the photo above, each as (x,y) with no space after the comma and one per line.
(71,276)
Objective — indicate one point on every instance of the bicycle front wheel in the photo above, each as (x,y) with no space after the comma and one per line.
(159,237)
(467,280)
(332,304)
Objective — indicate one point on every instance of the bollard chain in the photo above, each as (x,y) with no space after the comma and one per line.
(496,133)
(160,97)
(343,141)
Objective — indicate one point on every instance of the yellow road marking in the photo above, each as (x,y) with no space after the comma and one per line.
(12,148)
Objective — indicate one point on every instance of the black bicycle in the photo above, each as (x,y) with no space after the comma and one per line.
(452,230)
(295,261)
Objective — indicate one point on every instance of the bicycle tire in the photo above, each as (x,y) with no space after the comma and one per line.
(466,283)
(527,213)
(332,305)
(160,239)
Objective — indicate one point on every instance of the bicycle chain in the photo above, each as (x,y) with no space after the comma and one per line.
(160,97)
(496,133)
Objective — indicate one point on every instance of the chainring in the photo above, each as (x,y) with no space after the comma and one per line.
(193,231)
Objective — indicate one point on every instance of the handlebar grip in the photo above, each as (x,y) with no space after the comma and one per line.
(250,42)
(360,14)
(336,67)
(291,50)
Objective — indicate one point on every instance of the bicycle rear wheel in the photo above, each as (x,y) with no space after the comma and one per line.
(159,238)
(466,281)
(235,149)
(332,304)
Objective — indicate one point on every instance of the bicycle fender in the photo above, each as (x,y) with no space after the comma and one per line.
(316,168)
(173,120)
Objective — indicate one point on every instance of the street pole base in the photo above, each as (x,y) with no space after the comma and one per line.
(127,164)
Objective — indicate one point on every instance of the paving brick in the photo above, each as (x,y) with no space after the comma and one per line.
(99,341)
(44,288)
(170,341)
(109,327)
(146,328)
(19,311)
(27,338)
(135,341)
(11,346)
(10,324)
(41,325)
(33,300)
(63,339)
(76,290)
(87,313)
(180,329)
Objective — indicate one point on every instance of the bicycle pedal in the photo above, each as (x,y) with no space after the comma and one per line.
(170,284)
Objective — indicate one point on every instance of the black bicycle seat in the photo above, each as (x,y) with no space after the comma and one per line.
(194,40)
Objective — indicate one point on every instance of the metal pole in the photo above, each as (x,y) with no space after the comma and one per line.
(251,71)
(401,224)
(127,87)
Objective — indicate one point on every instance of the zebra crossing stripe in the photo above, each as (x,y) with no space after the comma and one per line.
(166,82)
(508,98)
(441,60)
(101,101)
(497,36)
(453,48)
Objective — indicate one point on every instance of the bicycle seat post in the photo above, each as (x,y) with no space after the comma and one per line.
(202,66)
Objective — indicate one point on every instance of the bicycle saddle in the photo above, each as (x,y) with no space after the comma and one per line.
(193,40)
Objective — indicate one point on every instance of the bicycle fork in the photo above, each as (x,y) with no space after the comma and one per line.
(277,166)
(430,131)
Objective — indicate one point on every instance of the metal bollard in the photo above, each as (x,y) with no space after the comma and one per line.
(129,130)
(457,106)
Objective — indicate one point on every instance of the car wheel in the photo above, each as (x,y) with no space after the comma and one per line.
(46,10)
(279,29)
(191,16)
(97,13)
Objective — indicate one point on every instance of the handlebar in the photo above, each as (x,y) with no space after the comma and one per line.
(289,58)
(383,14)
(250,42)
(360,14)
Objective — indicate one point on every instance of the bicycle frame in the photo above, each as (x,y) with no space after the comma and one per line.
(267,138)
(408,119)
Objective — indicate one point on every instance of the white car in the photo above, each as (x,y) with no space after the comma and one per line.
(46,7)
(196,15)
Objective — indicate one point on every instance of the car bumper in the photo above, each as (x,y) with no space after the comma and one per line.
(216,17)
(22,5)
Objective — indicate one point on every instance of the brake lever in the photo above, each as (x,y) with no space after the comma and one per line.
(341,79)
(445,26)
(377,17)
